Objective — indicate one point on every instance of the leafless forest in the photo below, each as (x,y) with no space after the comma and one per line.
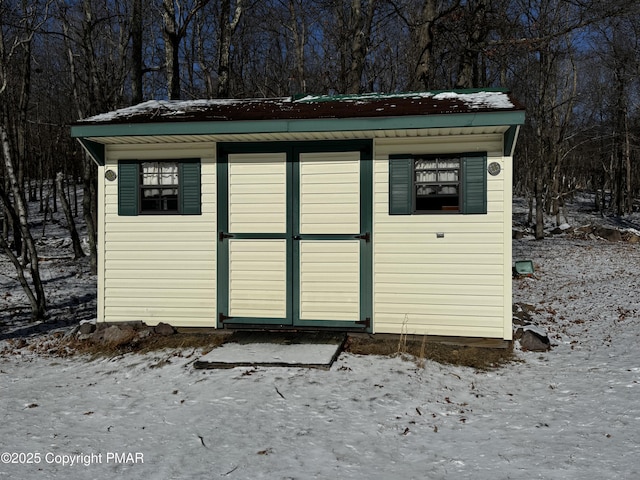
(574,64)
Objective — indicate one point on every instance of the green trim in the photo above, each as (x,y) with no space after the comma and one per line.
(333,325)
(128,188)
(254,321)
(357,124)
(401,184)
(294,183)
(293,150)
(222,250)
(474,185)
(510,138)
(95,150)
(189,187)
(366,247)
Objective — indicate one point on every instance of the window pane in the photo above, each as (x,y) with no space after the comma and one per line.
(149,173)
(150,192)
(170,200)
(437,184)
(168,173)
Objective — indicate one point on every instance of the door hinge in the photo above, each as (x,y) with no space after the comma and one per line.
(366,322)
(222,317)
(365,236)
(223,235)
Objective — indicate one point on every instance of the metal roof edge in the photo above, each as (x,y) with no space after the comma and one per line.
(479,119)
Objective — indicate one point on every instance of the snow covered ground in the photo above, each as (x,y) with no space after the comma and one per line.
(570,413)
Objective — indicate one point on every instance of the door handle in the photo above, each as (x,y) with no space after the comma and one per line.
(297,237)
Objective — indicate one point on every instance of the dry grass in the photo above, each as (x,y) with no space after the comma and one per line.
(422,349)
(180,341)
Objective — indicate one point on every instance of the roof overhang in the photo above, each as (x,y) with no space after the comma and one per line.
(93,137)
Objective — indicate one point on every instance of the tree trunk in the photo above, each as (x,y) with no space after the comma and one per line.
(360,31)
(35,291)
(71,224)
(424,44)
(227,28)
(171,49)
(136,52)
(89,190)
(299,84)
(539,231)
(89,210)
(469,68)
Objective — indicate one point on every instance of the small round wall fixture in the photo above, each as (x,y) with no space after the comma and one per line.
(110,175)
(494,168)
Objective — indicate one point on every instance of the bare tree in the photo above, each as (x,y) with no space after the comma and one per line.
(227,26)
(35,290)
(17,85)
(71,224)
(177,19)
(136,52)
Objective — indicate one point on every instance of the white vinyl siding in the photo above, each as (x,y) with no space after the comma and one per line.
(158,268)
(258,278)
(330,280)
(330,193)
(456,285)
(257,193)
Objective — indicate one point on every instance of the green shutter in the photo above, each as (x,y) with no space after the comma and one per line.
(474,185)
(128,178)
(190,201)
(400,185)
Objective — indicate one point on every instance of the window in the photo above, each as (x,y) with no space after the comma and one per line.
(159,187)
(437,184)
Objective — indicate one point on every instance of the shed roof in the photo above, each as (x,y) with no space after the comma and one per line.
(305,118)
(312,107)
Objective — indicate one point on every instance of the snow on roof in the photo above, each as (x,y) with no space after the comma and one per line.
(312,106)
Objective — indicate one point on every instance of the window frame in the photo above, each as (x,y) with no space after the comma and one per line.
(472,179)
(130,187)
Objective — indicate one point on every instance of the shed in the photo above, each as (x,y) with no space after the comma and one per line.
(376,213)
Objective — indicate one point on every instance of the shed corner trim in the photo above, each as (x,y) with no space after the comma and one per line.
(94,149)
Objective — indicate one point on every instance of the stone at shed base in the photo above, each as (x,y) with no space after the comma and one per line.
(115,334)
(534,341)
(164,329)
(87,328)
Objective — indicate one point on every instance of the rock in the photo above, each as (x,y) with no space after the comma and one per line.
(534,339)
(632,238)
(522,312)
(164,329)
(611,234)
(517,235)
(87,328)
(116,334)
